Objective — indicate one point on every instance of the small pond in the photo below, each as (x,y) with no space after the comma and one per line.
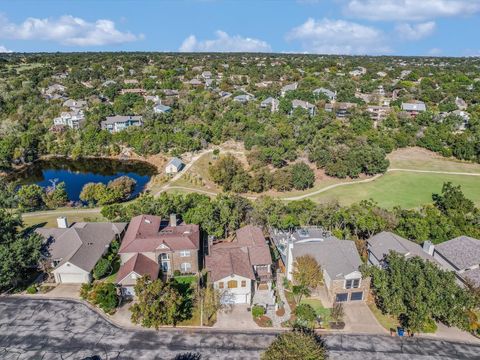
(77,173)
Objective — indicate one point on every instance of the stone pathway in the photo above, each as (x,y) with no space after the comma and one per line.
(278,320)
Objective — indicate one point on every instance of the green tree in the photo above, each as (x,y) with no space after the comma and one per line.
(302,176)
(19,251)
(296,345)
(158,303)
(55,196)
(30,197)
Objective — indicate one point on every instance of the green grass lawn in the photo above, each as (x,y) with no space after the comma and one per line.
(388,322)
(185,279)
(50,219)
(408,190)
(317,305)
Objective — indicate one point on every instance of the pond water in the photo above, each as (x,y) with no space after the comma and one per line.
(77,173)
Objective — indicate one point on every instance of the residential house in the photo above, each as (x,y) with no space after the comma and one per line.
(75,104)
(72,119)
(138,91)
(195,83)
(460,255)
(152,246)
(243,98)
(358,72)
(120,122)
(170,92)
(241,269)
(304,105)
(381,244)
(74,250)
(289,87)
(55,91)
(161,109)
(414,108)
(207,75)
(174,166)
(338,259)
(461,104)
(224,95)
(378,113)
(328,93)
(342,110)
(130,81)
(271,104)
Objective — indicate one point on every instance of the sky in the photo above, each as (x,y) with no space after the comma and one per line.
(349,27)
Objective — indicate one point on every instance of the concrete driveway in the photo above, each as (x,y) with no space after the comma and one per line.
(359,319)
(63,291)
(237,317)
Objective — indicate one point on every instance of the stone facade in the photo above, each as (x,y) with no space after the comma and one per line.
(338,287)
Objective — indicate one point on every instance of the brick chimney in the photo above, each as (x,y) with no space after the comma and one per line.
(62,222)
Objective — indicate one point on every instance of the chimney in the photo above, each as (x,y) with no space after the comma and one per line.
(428,247)
(173,219)
(62,222)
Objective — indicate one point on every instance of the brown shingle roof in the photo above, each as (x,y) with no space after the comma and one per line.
(144,235)
(140,265)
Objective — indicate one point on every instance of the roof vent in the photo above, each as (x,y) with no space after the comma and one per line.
(148,221)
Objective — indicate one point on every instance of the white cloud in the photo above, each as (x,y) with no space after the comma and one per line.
(416,31)
(409,10)
(3,49)
(338,37)
(224,43)
(66,30)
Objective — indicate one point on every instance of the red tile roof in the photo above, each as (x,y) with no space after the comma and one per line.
(138,264)
(144,235)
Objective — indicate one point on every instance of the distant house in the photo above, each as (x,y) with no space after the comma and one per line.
(151,245)
(358,72)
(207,75)
(328,93)
(378,113)
(55,91)
(195,82)
(140,92)
(338,259)
(108,83)
(414,108)
(289,87)
(130,81)
(174,166)
(304,105)
(342,110)
(241,269)
(121,122)
(161,109)
(75,104)
(243,98)
(74,250)
(224,94)
(461,104)
(271,104)
(170,92)
(72,119)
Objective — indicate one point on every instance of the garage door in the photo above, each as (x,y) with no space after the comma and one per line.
(356,296)
(229,299)
(72,278)
(342,297)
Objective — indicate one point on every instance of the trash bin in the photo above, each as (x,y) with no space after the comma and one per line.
(400,331)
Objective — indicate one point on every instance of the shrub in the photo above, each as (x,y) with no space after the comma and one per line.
(177,273)
(429,327)
(32,289)
(85,290)
(305,312)
(258,311)
(337,312)
(104,295)
(102,268)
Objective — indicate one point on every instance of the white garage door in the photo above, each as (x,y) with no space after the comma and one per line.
(73,278)
(229,298)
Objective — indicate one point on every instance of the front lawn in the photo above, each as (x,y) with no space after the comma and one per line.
(387,321)
(320,310)
(186,279)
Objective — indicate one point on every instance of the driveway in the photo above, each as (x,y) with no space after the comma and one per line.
(236,317)
(34,328)
(63,291)
(360,320)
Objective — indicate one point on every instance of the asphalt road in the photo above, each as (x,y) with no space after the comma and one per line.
(61,329)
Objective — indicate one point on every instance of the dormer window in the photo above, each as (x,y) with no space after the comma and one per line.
(352,284)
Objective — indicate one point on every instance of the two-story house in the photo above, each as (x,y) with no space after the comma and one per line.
(72,119)
(155,247)
(339,260)
(241,269)
(120,122)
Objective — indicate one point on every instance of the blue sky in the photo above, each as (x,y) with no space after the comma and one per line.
(374,27)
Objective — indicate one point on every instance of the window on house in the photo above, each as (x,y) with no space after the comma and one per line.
(186,267)
(244,283)
(185,253)
(232,284)
(220,285)
(352,283)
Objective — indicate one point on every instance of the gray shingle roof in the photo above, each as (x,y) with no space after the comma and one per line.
(337,257)
(420,106)
(462,252)
(175,162)
(82,244)
(384,242)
